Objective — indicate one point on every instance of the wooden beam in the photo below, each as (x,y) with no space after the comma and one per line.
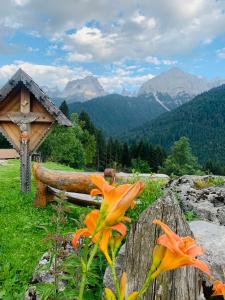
(41,117)
(25,176)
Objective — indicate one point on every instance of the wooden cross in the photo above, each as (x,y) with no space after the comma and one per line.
(26,117)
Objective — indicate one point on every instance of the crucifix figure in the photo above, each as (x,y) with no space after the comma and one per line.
(26,117)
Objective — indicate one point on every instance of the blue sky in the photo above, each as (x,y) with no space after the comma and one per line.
(123,43)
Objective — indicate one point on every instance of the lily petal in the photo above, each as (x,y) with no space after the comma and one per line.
(109,294)
(133,296)
(78,234)
(123,282)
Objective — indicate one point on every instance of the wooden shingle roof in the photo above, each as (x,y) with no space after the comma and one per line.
(20,77)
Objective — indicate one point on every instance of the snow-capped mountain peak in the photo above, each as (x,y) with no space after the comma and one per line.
(83,89)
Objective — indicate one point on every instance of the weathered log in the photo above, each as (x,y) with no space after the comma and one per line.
(64,181)
(180,284)
(76,198)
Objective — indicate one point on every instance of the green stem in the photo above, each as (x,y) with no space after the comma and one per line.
(85,271)
(113,268)
(146,284)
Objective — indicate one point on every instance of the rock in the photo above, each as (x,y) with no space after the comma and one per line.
(183,283)
(45,274)
(207,204)
(31,294)
(212,238)
(142,176)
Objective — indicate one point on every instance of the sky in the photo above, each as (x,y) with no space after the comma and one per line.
(122,42)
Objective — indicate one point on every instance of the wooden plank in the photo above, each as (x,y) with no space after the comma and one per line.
(41,117)
(11,103)
(24,101)
(38,108)
(76,198)
(13,132)
(38,133)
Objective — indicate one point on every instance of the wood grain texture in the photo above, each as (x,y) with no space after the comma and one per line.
(181,284)
(135,256)
(64,181)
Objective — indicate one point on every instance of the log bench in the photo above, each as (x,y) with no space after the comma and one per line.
(77,186)
(49,183)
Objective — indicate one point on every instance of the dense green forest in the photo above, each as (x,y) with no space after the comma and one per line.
(85,145)
(197,125)
(115,113)
(202,120)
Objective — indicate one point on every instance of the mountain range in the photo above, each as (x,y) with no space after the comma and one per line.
(79,90)
(170,88)
(117,113)
(202,120)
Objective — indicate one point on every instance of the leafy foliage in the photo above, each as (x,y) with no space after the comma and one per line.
(72,146)
(4,143)
(181,161)
(152,191)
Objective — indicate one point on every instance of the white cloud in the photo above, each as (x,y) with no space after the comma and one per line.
(21,2)
(123,78)
(31,49)
(153,60)
(44,74)
(119,28)
(91,40)
(221,53)
(78,57)
(156,61)
(52,76)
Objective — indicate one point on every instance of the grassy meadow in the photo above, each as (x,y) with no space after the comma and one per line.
(23,229)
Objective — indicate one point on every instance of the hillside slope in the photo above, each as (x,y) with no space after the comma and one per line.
(116,113)
(202,120)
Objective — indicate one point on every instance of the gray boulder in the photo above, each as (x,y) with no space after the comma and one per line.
(212,238)
(207,204)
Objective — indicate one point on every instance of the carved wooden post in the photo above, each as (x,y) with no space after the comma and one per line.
(26,117)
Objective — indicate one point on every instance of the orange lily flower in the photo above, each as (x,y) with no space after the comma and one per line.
(116,200)
(218,288)
(109,295)
(103,236)
(174,252)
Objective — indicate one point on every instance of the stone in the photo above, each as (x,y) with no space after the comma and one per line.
(206,204)
(212,238)
(31,294)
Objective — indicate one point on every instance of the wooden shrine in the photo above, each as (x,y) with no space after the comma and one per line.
(26,117)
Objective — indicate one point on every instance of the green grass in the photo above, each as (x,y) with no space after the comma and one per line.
(22,229)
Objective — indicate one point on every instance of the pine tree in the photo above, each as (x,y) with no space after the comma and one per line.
(87,123)
(126,160)
(100,158)
(64,109)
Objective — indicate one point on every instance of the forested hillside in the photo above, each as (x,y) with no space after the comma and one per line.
(116,113)
(202,120)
